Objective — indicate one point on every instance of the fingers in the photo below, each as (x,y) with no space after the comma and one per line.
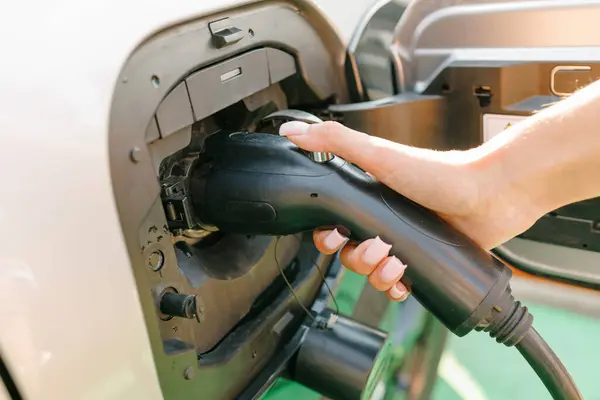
(328,242)
(369,258)
(398,292)
(365,257)
(356,147)
(321,137)
(388,272)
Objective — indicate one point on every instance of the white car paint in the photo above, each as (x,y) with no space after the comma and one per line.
(72,326)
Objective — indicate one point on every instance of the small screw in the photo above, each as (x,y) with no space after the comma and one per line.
(188,373)
(250,33)
(125,79)
(156,260)
(175,329)
(199,309)
(155,81)
(135,155)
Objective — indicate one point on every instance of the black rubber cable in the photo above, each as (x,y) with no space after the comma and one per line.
(548,366)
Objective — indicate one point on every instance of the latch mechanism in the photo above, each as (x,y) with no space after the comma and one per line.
(224,33)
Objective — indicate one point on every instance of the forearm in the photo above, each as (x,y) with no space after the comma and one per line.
(549,160)
(492,192)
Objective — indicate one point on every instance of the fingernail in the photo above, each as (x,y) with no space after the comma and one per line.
(392,269)
(293,128)
(398,294)
(334,240)
(376,251)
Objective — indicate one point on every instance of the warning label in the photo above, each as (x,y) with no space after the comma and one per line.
(493,124)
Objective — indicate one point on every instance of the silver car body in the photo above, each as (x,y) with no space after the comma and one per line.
(72,326)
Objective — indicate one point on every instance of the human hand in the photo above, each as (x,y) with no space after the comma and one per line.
(454,184)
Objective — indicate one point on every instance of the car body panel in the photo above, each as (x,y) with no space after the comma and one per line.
(72,323)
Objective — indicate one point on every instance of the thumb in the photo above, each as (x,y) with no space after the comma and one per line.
(332,137)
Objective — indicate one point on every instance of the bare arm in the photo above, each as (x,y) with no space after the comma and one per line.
(549,160)
(492,192)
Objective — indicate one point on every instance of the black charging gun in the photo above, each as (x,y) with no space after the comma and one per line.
(260,183)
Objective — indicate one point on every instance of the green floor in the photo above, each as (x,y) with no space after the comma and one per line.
(476,368)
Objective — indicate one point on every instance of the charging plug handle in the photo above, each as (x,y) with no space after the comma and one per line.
(259,183)
(263,184)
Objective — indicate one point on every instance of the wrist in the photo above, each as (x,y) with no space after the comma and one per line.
(502,198)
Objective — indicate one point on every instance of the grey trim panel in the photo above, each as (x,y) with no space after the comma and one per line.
(160,149)
(220,86)
(281,65)
(152,132)
(213,88)
(565,262)
(430,36)
(175,111)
